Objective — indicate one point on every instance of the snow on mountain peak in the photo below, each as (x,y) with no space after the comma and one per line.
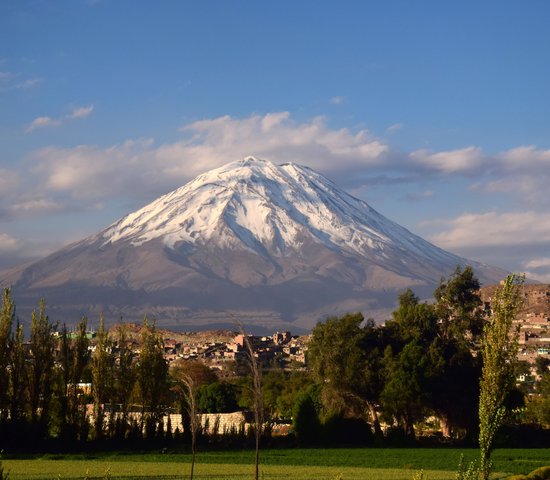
(260,206)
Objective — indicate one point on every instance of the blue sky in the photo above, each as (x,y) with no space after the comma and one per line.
(436,113)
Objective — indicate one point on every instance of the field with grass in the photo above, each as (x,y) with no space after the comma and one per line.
(299,464)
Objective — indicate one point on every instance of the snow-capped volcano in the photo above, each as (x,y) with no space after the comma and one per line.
(277,242)
(259,205)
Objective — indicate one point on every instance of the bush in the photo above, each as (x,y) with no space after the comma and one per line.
(306,420)
(338,430)
(542,473)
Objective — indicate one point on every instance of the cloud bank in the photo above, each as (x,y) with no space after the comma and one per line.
(138,170)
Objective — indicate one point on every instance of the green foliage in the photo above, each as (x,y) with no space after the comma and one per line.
(538,405)
(7,315)
(217,397)
(345,357)
(542,473)
(40,367)
(281,389)
(3,474)
(152,371)
(102,376)
(305,420)
(418,475)
(499,349)
(457,302)
(404,393)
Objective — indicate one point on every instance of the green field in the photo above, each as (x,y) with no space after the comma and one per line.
(299,464)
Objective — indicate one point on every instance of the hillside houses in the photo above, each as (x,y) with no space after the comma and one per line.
(533,321)
(222,349)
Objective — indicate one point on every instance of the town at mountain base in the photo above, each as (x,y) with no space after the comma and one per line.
(273,247)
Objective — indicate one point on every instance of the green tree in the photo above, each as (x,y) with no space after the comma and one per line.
(538,406)
(404,394)
(216,397)
(40,369)
(124,377)
(152,372)
(74,358)
(457,305)
(305,420)
(18,376)
(346,359)
(7,316)
(499,348)
(102,377)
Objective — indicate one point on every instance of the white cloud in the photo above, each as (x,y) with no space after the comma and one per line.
(466,160)
(37,206)
(493,229)
(338,100)
(80,112)
(7,243)
(538,269)
(41,122)
(394,128)
(522,173)
(76,113)
(139,167)
(29,83)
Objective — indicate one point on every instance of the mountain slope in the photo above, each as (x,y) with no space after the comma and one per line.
(274,244)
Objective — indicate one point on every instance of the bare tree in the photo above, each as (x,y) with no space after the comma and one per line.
(187,378)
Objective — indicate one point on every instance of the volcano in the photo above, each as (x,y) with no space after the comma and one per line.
(270,246)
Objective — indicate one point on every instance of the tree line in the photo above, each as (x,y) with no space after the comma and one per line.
(422,368)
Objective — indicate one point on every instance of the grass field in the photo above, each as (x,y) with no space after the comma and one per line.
(299,464)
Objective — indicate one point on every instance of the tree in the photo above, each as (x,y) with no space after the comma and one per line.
(186,378)
(73,359)
(102,376)
(124,377)
(41,363)
(404,394)
(152,374)
(447,330)
(499,348)
(346,359)
(305,420)
(7,315)
(258,399)
(18,376)
(457,302)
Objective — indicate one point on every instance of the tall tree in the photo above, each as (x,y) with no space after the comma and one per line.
(18,376)
(346,359)
(499,350)
(404,394)
(152,375)
(457,305)
(102,376)
(7,315)
(124,376)
(258,399)
(186,378)
(41,364)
